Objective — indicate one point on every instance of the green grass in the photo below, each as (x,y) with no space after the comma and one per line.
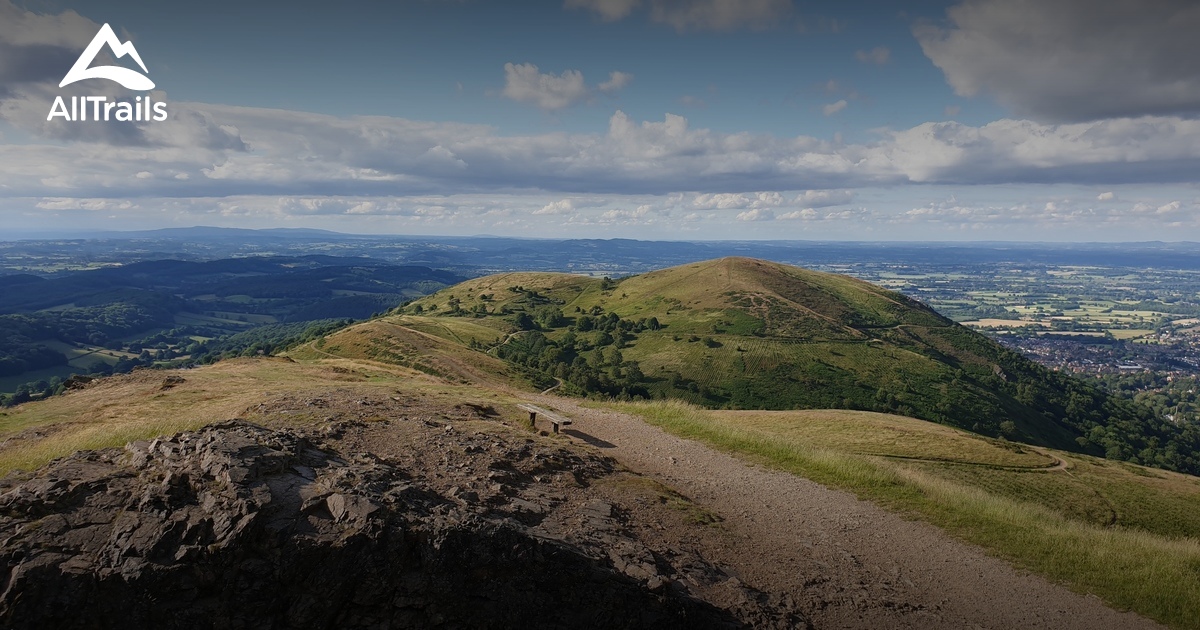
(1148,562)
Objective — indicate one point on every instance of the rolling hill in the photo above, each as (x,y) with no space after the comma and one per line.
(451,378)
(740,333)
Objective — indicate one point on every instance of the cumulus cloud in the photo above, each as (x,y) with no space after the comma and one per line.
(807,214)
(695,15)
(524,83)
(616,81)
(757,214)
(834,107)
(878,55)
(737,201)
(823,198)
(562,206)
(1106,196)
(1072,60)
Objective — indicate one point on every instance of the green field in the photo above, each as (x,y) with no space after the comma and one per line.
(1126,533)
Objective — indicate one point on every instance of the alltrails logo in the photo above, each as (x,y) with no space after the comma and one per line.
(100,107)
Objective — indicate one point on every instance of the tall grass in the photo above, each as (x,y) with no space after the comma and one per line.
(1130,569)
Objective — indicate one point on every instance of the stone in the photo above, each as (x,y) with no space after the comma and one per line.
(239,526)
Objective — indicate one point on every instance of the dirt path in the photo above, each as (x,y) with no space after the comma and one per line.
(848,563)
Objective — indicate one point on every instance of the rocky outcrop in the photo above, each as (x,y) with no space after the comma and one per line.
(238,526)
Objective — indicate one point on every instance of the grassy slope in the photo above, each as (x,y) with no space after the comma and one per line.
(114,411)
(783,338)
(1126,533)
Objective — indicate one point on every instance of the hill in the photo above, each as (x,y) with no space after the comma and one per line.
(373,501)
(406,440)
(741,333)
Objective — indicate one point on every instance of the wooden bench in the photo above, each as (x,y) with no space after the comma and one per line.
(557,422)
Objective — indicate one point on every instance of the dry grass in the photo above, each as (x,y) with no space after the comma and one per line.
(867,433)
(1156,574)
(114,411)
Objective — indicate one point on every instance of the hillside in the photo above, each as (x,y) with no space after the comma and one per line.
(376,499)
(361,461)
(747,334)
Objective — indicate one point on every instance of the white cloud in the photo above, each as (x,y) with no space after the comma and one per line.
(757,214)
(1169,208)
(1106,196)
(878,55)
(1072,60)
(238,150)
(616,81)
(524,83)
(807,214)
(562,206)
(834,107)
(823,198)
(95,205)
(738,201)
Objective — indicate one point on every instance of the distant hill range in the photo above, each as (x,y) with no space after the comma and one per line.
(748,334)
(151,312)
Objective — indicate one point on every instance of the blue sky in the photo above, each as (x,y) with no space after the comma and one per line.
(690,119)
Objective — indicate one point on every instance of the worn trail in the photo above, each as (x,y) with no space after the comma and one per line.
(849,563)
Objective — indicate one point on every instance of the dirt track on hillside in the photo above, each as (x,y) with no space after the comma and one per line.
(846,562)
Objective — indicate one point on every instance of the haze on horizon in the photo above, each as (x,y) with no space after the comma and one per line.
(973,120)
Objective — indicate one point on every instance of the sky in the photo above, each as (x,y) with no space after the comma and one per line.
(971,120)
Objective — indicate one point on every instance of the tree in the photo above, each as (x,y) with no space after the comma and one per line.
(524,321)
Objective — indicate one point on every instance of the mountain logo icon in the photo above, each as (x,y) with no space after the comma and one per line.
(131,79)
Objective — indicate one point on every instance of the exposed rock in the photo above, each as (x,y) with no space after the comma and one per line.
(238,526)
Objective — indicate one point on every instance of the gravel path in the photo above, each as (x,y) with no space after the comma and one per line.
(848,563)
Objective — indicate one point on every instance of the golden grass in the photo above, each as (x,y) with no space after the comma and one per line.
(117,410)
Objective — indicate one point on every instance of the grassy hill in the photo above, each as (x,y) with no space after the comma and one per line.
(740,333)
(1124,532)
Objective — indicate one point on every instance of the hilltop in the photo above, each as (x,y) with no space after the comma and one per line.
(742,333)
